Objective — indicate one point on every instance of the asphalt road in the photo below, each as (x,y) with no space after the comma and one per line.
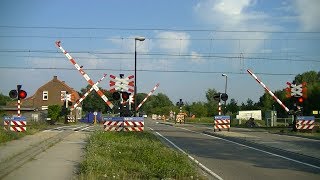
(232,160)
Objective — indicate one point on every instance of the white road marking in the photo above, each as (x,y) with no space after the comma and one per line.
(192,158)
(277,155)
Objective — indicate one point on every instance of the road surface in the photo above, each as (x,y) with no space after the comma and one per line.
(228,159)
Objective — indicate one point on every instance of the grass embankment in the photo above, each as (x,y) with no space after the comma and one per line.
(133,155)
(32,128)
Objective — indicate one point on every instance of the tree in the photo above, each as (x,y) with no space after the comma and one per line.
(212,105)
(93,101)
(199,109)
(4,99)
(156,104)
(310,77)
(54,112)
(233,106)
(249,105)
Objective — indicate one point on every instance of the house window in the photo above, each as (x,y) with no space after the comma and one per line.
(45,95)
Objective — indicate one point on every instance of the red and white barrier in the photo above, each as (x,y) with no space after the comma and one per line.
(145,99)
(19,112)
(267,89)
(85,75)
(87,93)
(219,108)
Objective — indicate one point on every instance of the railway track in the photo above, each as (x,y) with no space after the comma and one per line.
(19,159)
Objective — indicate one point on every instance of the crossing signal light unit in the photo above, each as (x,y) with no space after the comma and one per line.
(21,94)
(217,97)
(115,95)
(13,94)
(125,96)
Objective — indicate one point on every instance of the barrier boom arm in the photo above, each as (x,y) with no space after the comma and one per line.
(145,99)
(87,93)
(85,75)
(267,89)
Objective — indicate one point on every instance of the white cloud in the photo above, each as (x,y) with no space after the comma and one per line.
(227,13)
(173,42)
(237,15)
(308,14)
(196,57)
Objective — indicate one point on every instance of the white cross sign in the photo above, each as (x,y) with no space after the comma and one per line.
(296,90)
(122,84)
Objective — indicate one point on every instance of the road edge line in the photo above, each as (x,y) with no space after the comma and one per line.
(189,156)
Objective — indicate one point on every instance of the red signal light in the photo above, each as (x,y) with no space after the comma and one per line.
(300,100)
(22,94)
(125,96)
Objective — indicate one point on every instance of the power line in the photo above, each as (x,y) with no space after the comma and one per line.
(144,70)
(156,29)
(161,54)
(157,38)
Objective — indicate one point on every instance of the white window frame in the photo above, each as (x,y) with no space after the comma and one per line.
(45,95)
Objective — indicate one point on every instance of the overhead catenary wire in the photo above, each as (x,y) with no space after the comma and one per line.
(160,54)
(154,29)
(145,70)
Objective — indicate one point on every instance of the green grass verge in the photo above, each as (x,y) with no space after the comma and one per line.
(288,131)
(133,155)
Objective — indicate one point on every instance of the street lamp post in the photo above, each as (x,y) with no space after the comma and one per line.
(225,90)
(135,72)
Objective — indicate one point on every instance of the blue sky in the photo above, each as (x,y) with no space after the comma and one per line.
(188,45)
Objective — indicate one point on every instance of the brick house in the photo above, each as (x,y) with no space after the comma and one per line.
(48,94)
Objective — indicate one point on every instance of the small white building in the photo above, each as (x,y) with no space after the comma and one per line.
(246,115)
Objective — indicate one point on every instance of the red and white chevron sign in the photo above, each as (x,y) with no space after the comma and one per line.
(18,126)
(133,126)
(122,84)
(221,122)
(305,122)
(113,125)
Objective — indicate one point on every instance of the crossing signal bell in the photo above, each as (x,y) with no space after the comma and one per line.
(21,94)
